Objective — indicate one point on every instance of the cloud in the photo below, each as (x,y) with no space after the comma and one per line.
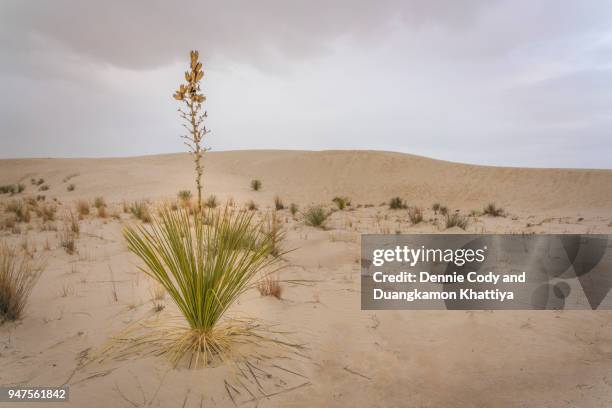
(453,80)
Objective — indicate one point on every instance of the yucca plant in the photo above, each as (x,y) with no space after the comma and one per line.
(194,116)
(203,264)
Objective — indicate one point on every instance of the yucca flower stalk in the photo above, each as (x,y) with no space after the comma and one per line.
(204,265)
(194,115)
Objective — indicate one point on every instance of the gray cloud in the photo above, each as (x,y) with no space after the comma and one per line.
(504,82)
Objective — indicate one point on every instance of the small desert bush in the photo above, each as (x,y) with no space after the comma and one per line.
(456,220)
(211,201)
(140,209)
(443,210)
(12,189)
(82,207)
(204,269)
(102,212)
(269,286)
(274,233)
(278,203)
(342,202)
(415,214)
(44,187)
(396,203)
(39,181)
(70,187)
(17,278)
(68,241)
(315,217)
(20,209)
(436,208)
(99,202)
(184,195)
(256,185)
(492,210)
(251,205)
(293,209)
(71,223)
(46,212)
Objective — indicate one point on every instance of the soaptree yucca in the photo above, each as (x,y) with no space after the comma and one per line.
(194,115)
(204,265)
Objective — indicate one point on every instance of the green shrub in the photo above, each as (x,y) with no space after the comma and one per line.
(456,220)
(342,202)
(256,185)
(396,203)
(315,217)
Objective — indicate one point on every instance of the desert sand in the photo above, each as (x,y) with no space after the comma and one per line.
(353,357)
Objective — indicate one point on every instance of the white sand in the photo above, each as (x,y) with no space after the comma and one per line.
(356,358)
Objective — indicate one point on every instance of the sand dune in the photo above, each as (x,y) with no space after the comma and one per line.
(308,177)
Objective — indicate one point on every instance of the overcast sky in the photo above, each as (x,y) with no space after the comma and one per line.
(517,83)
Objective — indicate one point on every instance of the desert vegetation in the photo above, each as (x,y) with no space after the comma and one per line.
(278,203)
(415,214)
(315,217)
(17,278)
(456,220)
(492,210)
(341,202)
(397,203)
(140,210)
(256,185)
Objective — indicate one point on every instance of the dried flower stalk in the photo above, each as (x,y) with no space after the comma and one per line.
(194,116)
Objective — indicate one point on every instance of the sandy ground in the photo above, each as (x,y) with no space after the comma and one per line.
(354,358)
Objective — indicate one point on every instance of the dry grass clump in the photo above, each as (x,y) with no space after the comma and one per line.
(342,202)
(140,209)
(46,212)
(21,210)
(17,278)
(251,205)
(82,207)
(184,195)
(443,210)
(278,203)
(456,220)
(315,217)
(211,201)
(71,223)
(44,187)
(492,210)
(99,202)
(12,189)
(102,212)
(436,207)
(274,233)
(269,285)
(68,241)
(70,187)
(256,185)
(204,269)
(415,214)
(293,209)
(396,203)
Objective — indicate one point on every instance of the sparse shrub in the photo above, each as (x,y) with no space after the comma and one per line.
(269,286)
(70,187)
(342,202)
(251,205)
(415,214)
(47,212)
(256,185)
(20,188)
(443,210)
(140,209)
(278,203)
(293,209)
(44,187)
(211,201)
(315,217)
(72,223)
(82,207)
(17,278)
(456,220)
(125,206)
(68,241)
(20,209)
(102,212)
(207,286)
(492,210)
(396,203)
(40,181)
(12,189)
(41,197)
(436,208)
(184,195)
(274,233)
(99,202)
